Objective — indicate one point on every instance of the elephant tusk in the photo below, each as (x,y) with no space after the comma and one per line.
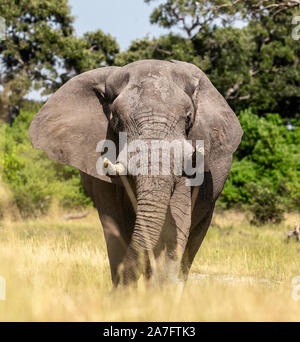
(119,169)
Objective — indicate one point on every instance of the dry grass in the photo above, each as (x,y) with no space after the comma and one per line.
(58,271)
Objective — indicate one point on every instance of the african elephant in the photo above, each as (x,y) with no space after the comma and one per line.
(153,224)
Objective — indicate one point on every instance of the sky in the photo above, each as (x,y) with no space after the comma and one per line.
(125,20)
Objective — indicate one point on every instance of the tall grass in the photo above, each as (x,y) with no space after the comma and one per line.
(58,271)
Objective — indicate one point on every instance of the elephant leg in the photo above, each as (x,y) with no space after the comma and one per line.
(210,190)
(117,218)
(176,230)
(194,242)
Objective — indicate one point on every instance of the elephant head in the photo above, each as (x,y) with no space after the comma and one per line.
(148,100)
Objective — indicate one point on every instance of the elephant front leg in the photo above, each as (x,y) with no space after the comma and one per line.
(176,232)
(194,242)
(117,218)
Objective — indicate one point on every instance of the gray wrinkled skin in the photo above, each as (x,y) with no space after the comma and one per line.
(148,99)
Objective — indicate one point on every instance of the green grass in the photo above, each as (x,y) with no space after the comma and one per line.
(58,271)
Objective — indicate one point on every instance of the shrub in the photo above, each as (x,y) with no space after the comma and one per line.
(235,193)
(266,205)
(7,205)
(266,164)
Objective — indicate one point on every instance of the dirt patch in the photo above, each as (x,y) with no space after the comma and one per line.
(233,279)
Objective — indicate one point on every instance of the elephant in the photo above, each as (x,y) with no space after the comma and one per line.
(153,224)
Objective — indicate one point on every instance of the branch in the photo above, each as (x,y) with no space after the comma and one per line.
(19,59)
(207,16)
(236,86)
(245,97)
(166,52)
(233,89)
(227,5)
(74,216)
(276,8)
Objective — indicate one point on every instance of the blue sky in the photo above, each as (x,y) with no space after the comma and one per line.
(125,20)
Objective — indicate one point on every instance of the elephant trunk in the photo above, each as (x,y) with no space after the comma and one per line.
(153,197)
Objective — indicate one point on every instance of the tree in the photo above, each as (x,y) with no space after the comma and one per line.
(40,49)
(93,50)
(165,47)
(255,65)
(191,16)
(265,8)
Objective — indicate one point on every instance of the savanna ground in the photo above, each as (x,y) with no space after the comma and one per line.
(58,271)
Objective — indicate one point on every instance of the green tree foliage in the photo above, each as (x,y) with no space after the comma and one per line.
(93,50)
(166,47)
(256,9)
(40,49)
(34,32)
(275,67)
(191,16)
(256,65)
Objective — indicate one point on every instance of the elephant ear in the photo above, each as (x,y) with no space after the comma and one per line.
(74,119)
(214,122)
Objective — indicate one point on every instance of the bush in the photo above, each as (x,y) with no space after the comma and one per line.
(7,205)
(34,180)
(266,205)
(265,171)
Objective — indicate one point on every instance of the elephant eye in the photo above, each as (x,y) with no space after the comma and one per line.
(188,119)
